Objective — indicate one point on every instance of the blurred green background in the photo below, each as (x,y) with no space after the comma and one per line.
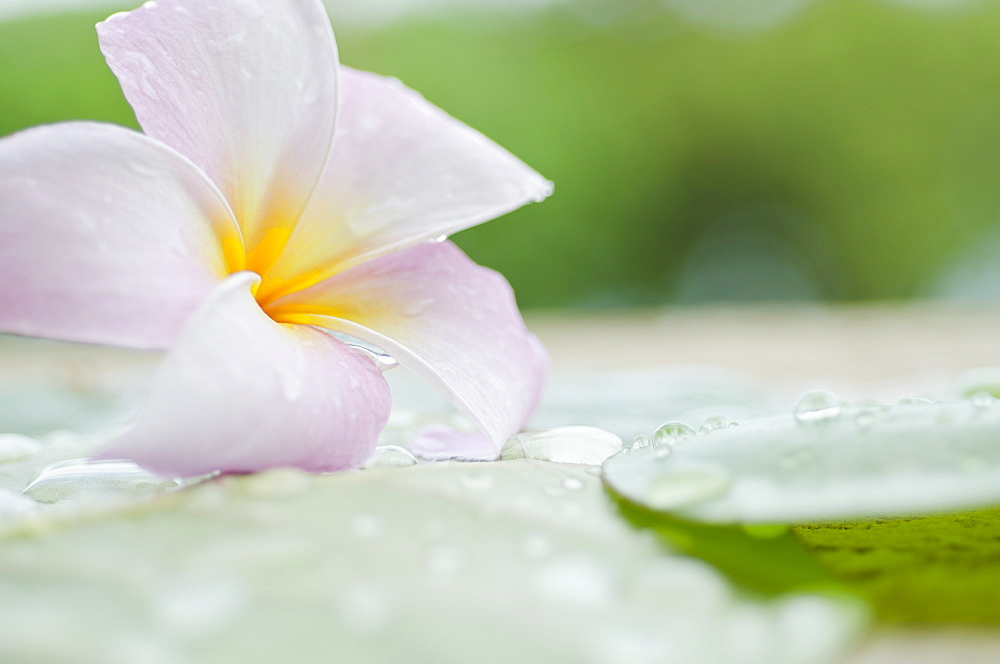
(702,150)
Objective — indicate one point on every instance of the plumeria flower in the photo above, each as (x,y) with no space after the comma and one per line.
(273,193)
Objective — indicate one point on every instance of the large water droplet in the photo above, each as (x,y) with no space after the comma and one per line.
(81,478)
(582,445)
(390,456)
(816,406)
(671,433)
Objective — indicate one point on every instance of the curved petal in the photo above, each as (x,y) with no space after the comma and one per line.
(247,89)
(401,172)
(451,321)
(241,393)
(106,236)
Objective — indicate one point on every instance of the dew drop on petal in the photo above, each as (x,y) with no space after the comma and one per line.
(383,361)
(817,406)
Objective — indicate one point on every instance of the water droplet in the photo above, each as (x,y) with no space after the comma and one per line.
(685,486)
(640,442)
(70,480)
(715,423)
(913,401)
(383,361)
(982,399)
(573,483)
(672,433)
(816,406)
(389,456)
(477,481)
(577,444)
(440,238)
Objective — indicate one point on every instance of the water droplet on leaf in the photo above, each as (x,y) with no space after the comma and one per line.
(716,423)
(581,445)
(817,406)
(390,456)
(672,433)
(70,480)
(640,442)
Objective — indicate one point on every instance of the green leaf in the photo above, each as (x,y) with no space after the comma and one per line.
(762,559)
(931,569)
(491,562)
(875,500)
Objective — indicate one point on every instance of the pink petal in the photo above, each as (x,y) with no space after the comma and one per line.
(241,393)
(451,321)
(401,172)
(106,236)
(440,443)
(247,89)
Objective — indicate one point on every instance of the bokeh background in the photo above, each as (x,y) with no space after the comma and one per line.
(702,150)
